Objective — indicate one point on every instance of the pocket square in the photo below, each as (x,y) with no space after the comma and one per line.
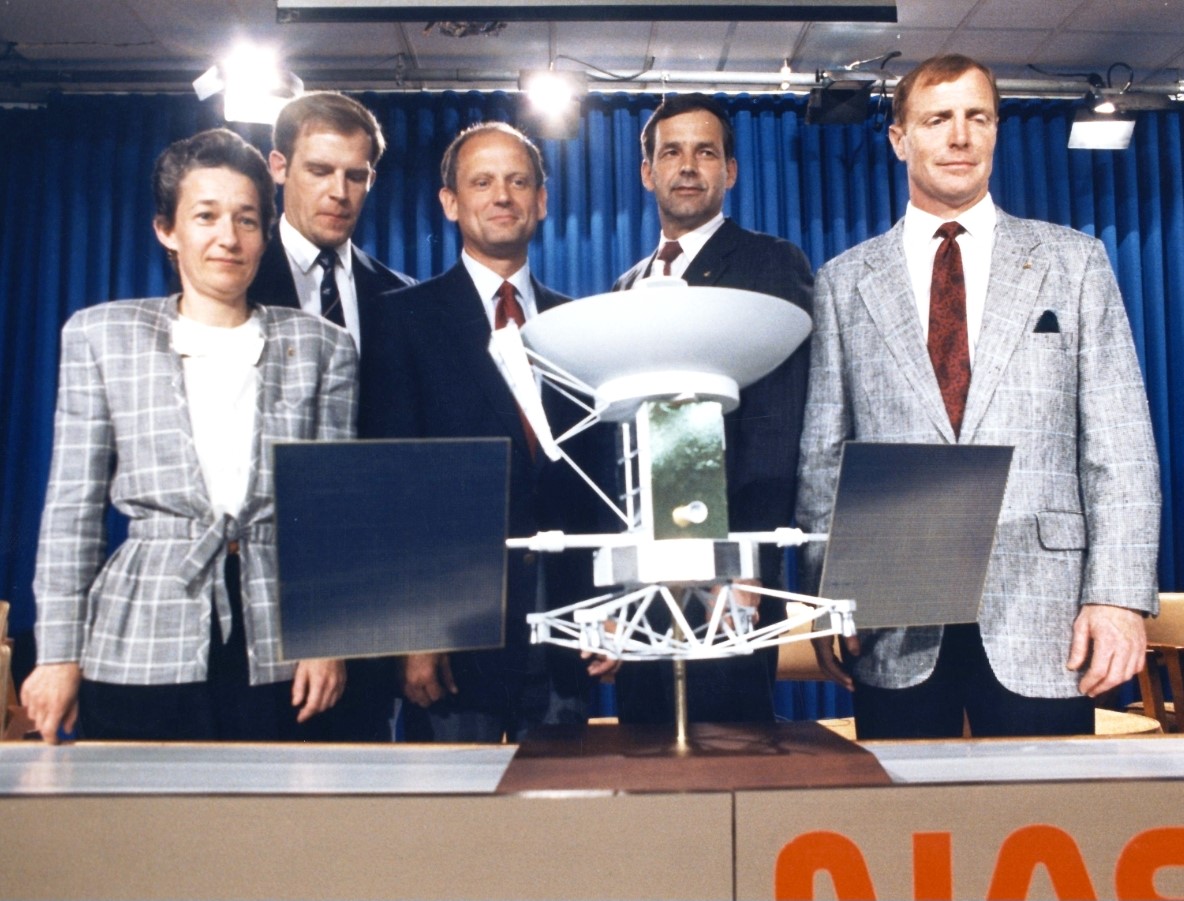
(1047,323)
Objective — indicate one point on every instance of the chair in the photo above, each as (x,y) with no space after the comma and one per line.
(1165,654)
(7,691)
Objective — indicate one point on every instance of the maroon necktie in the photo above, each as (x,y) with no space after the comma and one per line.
(949,347)
(667,254)
(507,310)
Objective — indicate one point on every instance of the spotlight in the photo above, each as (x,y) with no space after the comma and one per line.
(253,85)
(1093,130)
(553,98)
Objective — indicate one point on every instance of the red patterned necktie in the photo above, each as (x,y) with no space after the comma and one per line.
(948,343)
(507,310)
(667,254)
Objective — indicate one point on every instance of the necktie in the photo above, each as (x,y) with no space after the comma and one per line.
(330,296)
(507,310)
(667,254)
(948,344)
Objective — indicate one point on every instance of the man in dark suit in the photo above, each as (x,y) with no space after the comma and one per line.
(325,148)
(689,165)
(429,348)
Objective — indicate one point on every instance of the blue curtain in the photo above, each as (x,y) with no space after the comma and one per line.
(76,230)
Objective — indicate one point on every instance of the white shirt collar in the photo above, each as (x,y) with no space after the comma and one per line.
(489,282)
(304,253)
(243,343)
(692,242)
(979,221)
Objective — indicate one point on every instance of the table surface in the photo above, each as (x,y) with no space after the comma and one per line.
(28,768)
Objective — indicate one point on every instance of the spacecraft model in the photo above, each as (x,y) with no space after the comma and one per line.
(666,361)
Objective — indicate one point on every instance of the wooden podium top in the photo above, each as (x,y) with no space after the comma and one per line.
(719,758)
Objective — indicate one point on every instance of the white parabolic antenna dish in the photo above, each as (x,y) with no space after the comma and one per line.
(668,340)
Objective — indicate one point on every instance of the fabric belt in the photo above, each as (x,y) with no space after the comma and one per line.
(210,540)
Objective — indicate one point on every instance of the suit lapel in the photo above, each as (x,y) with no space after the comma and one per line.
(464,309)
(711,263)
(1012,292)
(887,292)
(273,282)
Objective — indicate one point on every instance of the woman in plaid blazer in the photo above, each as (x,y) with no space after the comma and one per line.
(169,407)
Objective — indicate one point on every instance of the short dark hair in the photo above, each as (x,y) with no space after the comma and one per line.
(448,163)
(333,111)
(217,148)
(677,104)
(937,70)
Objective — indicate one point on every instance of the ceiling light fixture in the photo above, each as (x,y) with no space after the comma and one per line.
(253,85)
(1101,131)
(553,98)
(1104,125)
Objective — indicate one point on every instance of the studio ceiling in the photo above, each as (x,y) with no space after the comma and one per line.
(152,45)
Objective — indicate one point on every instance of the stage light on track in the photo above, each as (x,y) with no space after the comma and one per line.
(253,84)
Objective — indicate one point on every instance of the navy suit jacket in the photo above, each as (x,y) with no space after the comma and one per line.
(427,373)
(273,282)
(764,432)
(762,436)
(364,710)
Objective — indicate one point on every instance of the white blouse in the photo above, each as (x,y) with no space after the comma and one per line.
(221,385)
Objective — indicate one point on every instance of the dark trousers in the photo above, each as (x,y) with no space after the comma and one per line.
(963,683)
(226,707)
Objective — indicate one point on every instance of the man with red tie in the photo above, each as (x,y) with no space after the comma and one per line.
(689,164)
(429,349)
(964,325)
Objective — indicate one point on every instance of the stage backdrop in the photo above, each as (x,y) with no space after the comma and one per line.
(75,229)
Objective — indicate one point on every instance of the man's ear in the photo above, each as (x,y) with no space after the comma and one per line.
(448,202)
(647,175)
(541,204)
(278,164)
(896,136)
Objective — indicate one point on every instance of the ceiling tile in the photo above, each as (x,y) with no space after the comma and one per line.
(1131,16)
(934,13)
(1022,15)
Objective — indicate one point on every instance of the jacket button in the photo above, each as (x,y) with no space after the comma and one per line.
(529,558)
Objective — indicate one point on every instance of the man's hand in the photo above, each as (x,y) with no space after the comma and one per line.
(50,698)
(318,685)
(830,664)
(1113,640)
(427,678)
(601,667)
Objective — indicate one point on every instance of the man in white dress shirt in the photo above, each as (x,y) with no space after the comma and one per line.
(964,325)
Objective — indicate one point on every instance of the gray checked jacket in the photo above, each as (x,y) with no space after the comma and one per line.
(122,431)
(1055,376)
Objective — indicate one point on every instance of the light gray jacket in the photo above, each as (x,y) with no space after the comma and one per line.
(122,430)
(1080,518)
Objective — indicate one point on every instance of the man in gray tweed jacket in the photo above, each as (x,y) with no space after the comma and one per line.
(1053,373)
